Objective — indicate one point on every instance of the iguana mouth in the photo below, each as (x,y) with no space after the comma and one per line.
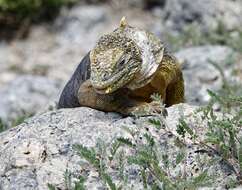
(116,81)
(105,86)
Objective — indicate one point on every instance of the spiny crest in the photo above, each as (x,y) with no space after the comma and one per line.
(112,40)
(117,40)
(123,22)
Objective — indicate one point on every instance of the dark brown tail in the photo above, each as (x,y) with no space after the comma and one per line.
(68,98)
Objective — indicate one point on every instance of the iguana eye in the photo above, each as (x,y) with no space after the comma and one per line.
(122,62)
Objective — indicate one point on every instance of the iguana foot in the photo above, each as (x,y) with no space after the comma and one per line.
(148,109)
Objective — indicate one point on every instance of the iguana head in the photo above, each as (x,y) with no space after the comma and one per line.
(114,62)
(119,57)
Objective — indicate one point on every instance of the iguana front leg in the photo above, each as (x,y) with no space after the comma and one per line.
(168,81)
(119,101)
(114,102)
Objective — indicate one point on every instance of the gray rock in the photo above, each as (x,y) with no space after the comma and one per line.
(26,95)
(39,151)
(200,74)
(142,4)
(207,13)
(79,25)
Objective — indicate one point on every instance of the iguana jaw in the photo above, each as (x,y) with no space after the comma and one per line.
(116,80)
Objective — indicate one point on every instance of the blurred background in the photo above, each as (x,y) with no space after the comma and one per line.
(43,41)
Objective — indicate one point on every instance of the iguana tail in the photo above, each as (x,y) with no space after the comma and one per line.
(68,98)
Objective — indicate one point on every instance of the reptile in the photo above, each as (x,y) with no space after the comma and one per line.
(121,73)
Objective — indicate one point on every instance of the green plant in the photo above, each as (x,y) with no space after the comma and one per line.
(223,138)
(153,165)
(223,135)
(14,13)
(223,114)
(20,119)
(14,122)
(97,159)
(224,119)
(2,125)
(78,185)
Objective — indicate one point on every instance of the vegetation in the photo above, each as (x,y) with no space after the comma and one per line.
(2,125)
(17,16)
(20,119)
(192,35)
(13,123)
(78,185)
(18,10)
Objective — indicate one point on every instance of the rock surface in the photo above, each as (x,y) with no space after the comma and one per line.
(39,151)
(206,13)
(199,74)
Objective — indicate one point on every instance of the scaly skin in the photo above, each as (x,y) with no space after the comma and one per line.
(121,73)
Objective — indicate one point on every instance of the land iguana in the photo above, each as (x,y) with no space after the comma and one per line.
(121,73)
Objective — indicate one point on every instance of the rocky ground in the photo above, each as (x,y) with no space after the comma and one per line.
(42,150)
(34,70)
(52,51)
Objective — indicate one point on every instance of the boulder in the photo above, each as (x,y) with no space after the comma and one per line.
(40,150)
(200,74)
(206,13)
(80,24)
